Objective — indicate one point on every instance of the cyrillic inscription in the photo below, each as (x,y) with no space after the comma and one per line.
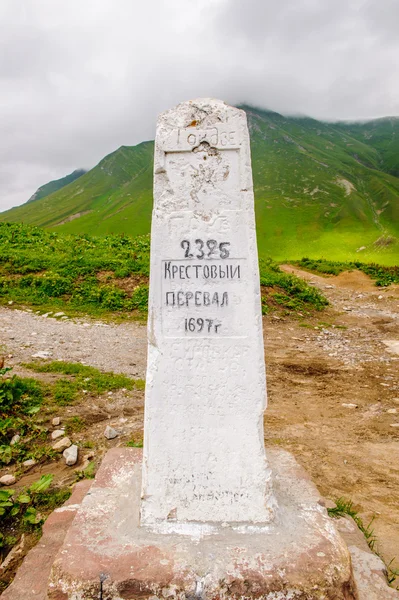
(205,390)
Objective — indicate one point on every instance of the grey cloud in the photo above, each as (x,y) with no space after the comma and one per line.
(78,79)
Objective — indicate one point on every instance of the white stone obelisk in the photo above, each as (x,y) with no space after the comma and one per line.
(204,457)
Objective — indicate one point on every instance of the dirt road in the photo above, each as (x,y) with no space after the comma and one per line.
(346,357)
(333,385)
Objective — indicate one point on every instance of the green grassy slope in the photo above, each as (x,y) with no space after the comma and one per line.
(321,190)
(57,184)
(381,134)
(120,183)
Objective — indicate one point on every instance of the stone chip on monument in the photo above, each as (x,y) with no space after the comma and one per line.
(203,513)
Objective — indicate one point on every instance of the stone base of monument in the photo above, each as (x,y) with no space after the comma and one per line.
(106,554)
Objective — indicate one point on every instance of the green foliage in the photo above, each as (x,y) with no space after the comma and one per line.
(55,271)
(110,275)
(19,511)
(18,395)
(24,504)
(345,507)
(88,473)
(74,425)
(383,276)
(23,397)
(287,291)
(87,378)
(20,399)
(135,444)
(65,391)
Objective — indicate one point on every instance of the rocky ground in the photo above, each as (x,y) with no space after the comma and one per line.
(333,385)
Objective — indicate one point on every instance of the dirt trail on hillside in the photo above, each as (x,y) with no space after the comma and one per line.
(349,359)
(347,354)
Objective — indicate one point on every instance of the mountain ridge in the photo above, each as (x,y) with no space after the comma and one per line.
(55,185)
(321,189)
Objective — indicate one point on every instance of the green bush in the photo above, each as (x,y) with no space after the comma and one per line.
(287,291)
(40,267)
(383,276)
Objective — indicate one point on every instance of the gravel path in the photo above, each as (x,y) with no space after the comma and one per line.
(116,347)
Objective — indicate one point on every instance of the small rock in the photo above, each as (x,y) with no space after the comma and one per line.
(327,503)
(394,424)
(349,405)
(42,354)
(29,463)
(71,455)
(57,434)
(56,421)
(14,554)
(380,297)
(392,411)
(7,480)
(10,302)
(34,333)
(15,439)
(110,433)
(59,314)
(62,445)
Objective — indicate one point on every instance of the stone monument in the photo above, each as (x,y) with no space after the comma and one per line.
(206,517)
(204,457)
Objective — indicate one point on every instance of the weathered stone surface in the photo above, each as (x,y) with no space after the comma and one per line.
(7,480)
(57,434)
(55,421)
(370,576)
(15,439)
(204,458)
(61,445)
(71,455)
(31,580)
(29,463)
(369,571)
(110,433)
(299,556)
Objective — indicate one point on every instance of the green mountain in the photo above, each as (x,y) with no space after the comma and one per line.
(57,184)
(321,190)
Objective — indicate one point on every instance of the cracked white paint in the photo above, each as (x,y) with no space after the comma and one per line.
(204,458)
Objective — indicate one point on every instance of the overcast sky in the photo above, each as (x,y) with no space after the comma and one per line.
(79,78)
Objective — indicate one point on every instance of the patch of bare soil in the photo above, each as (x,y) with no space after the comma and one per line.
(340,359)
(127,284)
